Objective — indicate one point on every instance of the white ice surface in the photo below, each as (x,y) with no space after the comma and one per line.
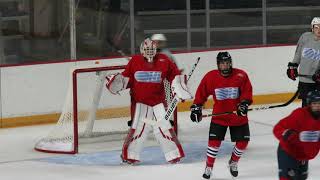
(18,160)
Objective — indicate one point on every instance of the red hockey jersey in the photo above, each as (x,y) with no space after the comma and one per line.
(301,121)
(227,92)
(146,78)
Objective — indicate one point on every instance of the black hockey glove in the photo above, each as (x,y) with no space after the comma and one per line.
(316,76)
(292,70)
(129,123)
(290,136)
(242,108)
(196,113)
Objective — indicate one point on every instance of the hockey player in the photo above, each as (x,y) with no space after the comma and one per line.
(161,41)
(299,136)
(232,91)
(146,73)
(307,58)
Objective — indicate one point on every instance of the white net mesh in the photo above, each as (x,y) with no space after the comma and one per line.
(93,102)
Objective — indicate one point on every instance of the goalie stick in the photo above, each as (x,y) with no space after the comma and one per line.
(175,98)
(258,108)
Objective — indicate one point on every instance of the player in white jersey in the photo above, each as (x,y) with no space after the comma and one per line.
(307,58)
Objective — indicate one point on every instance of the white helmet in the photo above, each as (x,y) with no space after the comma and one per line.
(315,20)
(148,49)
(158,37)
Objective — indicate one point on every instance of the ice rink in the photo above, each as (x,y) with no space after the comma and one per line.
(101,161)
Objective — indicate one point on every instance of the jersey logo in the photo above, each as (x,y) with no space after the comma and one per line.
(148,76)
(310,53)
(309,136)
(227,93)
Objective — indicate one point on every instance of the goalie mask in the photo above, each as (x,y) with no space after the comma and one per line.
(148,49)
(313,101)
(224,63)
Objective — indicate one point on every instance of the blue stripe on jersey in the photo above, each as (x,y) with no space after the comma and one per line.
(227,93)
(310,53)
(310,136)
(148,76)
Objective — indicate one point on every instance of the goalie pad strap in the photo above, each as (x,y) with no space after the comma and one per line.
(116,83)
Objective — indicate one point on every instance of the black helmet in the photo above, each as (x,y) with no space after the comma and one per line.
(224,57)
(313,96)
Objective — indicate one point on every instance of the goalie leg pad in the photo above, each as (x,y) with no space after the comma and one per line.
(166,136)
(116,83)
(137,134)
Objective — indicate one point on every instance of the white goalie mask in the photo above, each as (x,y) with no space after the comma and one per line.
(148,49)
(315,20)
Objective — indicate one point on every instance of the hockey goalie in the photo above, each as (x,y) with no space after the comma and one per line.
(144,74)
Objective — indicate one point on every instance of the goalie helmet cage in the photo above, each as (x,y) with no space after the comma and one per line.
(77,120)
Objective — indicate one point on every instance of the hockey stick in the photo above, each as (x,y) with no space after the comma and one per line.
(175,99)
(258,108)
(306,76)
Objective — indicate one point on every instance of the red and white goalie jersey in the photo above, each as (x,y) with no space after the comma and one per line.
(227,92)
(146,78)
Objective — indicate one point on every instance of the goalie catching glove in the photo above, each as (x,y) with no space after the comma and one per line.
(180,88)
(116,83)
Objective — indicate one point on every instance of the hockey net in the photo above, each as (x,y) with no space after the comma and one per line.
(91,112)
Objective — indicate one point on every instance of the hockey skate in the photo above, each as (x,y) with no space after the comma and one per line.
(233,166)
(207,172)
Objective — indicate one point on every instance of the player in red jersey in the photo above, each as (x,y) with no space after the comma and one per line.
(299,136)
(146,73)
(232,91)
